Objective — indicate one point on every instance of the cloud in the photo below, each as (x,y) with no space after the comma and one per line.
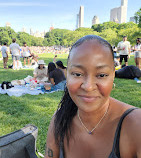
(18,4)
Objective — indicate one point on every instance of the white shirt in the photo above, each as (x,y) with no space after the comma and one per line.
(15,49)
(125,46)
(4,50)
(138,47)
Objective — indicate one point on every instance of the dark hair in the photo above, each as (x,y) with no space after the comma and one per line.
(138,39)
(5,43)
(40,68)
(24,42)
(51,67)
(14,40)
(60,64)
(124,36)
(67,109)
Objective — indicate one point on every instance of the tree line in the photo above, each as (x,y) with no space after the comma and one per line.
(110,31)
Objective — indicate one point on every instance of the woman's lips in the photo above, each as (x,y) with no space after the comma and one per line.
(88,99)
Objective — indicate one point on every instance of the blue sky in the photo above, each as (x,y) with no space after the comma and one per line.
(41,14)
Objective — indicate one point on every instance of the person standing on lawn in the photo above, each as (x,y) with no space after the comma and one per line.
(15,51)
(124,50)
(4,55)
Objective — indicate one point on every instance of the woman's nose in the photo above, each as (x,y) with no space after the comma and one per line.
(89,84)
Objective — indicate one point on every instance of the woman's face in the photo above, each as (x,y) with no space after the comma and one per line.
(90,75)
(41,66)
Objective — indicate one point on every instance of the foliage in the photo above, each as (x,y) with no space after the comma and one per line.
(138,17)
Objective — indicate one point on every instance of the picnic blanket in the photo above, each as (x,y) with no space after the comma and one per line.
(19,90)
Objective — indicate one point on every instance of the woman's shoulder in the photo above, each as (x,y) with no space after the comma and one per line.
(130,137)
(51,146)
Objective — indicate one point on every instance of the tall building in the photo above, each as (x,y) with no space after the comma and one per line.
(80,18)
(95,20)
(31,32)
(119,14)
(77,21)
(23,29)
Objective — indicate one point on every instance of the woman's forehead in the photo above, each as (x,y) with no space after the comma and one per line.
(92,48)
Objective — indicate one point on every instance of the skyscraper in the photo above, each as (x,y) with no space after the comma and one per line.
(95,20)
(119,14)
(80,18)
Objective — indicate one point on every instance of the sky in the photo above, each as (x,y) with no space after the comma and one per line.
(42,14)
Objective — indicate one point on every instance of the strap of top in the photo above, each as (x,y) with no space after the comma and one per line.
(115,148)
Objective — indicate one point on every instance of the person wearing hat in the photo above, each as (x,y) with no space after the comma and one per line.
(40,72)
(124,50)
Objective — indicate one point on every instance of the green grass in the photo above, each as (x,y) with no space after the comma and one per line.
(16,112)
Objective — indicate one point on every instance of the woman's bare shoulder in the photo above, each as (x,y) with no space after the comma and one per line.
(130,132)
(52,149)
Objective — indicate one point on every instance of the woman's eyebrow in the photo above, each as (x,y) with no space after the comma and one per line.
(102,66)
(77,65)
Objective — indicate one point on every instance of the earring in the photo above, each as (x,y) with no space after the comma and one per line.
(114,86)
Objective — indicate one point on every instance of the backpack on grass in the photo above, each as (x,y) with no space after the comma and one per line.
(19,144)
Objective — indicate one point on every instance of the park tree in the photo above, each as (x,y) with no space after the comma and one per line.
(109,35)
(106,25)
(138,17)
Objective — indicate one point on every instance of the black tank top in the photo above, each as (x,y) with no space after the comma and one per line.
(115,150)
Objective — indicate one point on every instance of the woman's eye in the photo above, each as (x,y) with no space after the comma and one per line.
(76,74)
(102,75)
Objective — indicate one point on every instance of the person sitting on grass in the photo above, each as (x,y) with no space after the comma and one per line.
(60,66)
(40,72)
(56,77)
(89,123)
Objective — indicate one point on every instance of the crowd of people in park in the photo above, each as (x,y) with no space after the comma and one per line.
(28,54)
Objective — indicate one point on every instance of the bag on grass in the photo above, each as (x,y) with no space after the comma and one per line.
(6,85)
(19,144)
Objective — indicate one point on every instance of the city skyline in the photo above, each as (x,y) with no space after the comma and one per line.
(41,16)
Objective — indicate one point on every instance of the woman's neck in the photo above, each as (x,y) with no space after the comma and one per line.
(91,119)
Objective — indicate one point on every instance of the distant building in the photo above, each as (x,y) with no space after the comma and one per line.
(80,17)
(132,19)
(77,21)
(95,20)
(37,33)
(8,24)
(23,29)
(119,14)
(51,28)
(31,32)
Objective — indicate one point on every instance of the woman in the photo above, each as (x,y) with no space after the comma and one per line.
(138,53)
(4,55)
(60,66)
(40,72)
(26,53)
(85,124)
(56,78)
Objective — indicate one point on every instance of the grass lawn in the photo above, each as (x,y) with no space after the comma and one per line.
(16,112)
